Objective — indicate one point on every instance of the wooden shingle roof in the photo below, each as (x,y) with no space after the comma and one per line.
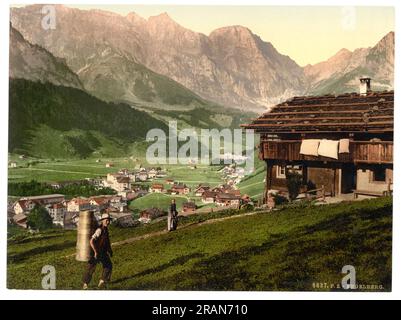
(350,112)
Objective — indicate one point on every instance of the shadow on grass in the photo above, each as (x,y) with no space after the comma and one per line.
(294,260)
(18,257)
(172,263)
(32,239)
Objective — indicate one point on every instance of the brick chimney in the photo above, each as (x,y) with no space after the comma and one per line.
(364,86)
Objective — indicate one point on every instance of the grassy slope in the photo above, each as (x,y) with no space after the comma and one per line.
(253,184)
(284,250)
(157,200)
(71,123)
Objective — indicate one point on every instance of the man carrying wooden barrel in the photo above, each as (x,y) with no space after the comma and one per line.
(101,253)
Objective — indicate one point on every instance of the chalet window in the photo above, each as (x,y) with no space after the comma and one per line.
(280,172)
(292,168)
(295,167)
(379,174)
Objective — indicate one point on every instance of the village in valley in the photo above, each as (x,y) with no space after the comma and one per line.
(129,185)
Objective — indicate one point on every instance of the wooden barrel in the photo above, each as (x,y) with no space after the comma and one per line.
(84,232)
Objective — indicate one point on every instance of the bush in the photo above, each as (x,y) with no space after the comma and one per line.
(247,207)
(35,188)
(39,219)
(294,183)
(279,199)
(311,186)
(135,213)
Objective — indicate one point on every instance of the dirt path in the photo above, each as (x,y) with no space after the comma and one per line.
(189,225)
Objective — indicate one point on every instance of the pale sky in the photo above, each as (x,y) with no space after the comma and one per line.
(306,34)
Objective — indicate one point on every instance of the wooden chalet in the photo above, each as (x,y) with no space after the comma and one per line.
(361,124)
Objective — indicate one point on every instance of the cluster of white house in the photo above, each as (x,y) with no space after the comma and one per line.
(65,212)
(233,174)
(141,174)
(122,180)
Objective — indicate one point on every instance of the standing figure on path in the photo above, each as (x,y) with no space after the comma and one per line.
(172,216)
(101,253)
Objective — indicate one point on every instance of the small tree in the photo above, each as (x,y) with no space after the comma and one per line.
(294,183)
(279,199)
(311,186)
(39,218)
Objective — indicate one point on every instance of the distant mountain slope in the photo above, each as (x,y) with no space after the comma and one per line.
(114,77)
(232,66)
(34,63)
(341,72)
(53,121)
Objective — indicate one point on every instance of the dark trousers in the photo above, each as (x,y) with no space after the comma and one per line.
(104,259)
(175,221)
(172,221)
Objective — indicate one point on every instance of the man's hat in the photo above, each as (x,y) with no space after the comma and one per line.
(105,216)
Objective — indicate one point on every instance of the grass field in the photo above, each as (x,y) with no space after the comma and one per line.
(163,201)
(60,170)
(253,185)
(158,200)
(193,177)
(183,174)
(288,249)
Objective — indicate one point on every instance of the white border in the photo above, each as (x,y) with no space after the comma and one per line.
(166,295)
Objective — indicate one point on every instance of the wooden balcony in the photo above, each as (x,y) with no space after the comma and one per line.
(360,152)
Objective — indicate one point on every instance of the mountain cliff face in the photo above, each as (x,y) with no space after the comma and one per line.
(32,62)
(255,69)
(381,59)
(104,58)
(232,66)
(155,61)
(341,72)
